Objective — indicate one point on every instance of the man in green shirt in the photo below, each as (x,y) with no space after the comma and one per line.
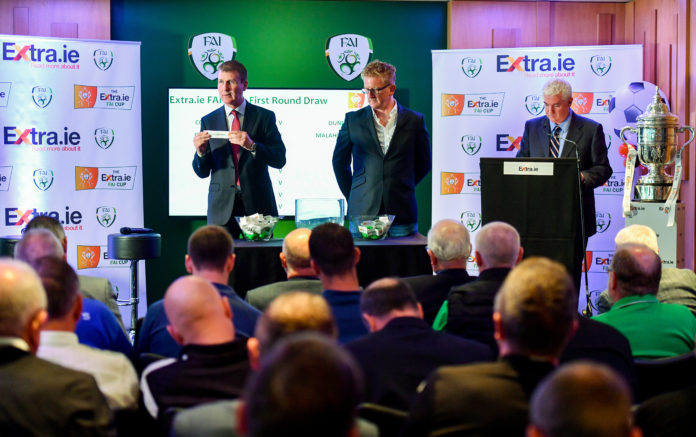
(654,330)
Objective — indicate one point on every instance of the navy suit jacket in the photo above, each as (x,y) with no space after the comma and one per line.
(592,151)
(432,290)
(257,190)
(378,178)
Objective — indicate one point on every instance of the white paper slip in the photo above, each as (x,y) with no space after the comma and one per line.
(218,134)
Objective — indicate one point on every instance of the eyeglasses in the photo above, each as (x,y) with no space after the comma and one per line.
(374,90)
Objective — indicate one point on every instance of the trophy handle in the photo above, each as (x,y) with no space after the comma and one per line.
(635,131)
(684,129)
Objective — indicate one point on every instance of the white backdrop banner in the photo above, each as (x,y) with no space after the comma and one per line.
(481,100)
(71,146)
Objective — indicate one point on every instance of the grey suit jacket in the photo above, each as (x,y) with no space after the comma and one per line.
(101,289)
(261,297)
(257,190)
(592,151)
(379,178)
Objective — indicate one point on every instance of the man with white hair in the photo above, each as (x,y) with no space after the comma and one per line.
(676,285)
(38,397)
(449,247)
(561,133)
(470,306)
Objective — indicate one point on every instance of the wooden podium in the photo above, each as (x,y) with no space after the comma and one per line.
(539,197)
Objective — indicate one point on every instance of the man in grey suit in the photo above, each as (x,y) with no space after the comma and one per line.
(390,152)
(38,397)
(92,287)
(238,164)
(295,261)
(561,133)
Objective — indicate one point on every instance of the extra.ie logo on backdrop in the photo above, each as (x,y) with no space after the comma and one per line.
(45,55)
(559,66)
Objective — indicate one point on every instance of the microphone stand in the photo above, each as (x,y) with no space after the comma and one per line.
(587,312)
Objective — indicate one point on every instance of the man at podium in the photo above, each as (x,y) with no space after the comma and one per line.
(563,134)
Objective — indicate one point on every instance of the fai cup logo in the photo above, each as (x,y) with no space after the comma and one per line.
(42,96)
(106,216)
(534,104)
(471,66)
(104,137)
(471,219)
(348,54)
(103,59)
(451,183)
(600,64)
(471,144)
(43,178)
(208,50)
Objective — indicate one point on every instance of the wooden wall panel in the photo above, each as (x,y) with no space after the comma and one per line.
(473,23)
(87,19)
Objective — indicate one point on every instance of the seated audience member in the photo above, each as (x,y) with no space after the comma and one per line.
(288,314)
(534,315)
(212,365)
(295,261)
(92,287)
(654,329)
(113,371)
(469,307)
(676,285)
(306,386)
(38,397)
(210,256)
(334,257)
(669,414)
(581,400)
(449,247)
(97,326)
(401,349)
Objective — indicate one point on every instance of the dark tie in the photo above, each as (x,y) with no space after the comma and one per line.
(555,144)
(235,147)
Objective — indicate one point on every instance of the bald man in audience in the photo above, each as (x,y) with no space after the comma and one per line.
(676,285)
(113,371)
(583,399)
(296,262)
(402,349)
(212,365)
(37,396)
(449,247)
(469,307)
(92,287)
(535,313)
(654,330)
(97,326)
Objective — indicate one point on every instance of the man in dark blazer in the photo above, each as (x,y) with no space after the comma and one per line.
(390,152)
(561,133)
(449,247)
(238,164)
(401,349)
(39,397)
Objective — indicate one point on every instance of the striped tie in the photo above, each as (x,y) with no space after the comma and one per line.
(555,144)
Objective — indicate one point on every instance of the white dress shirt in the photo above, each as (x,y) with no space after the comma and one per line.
(385,133)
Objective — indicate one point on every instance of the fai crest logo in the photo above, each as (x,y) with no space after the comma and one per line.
(104,137)
(106,216)
(348,54)
(600,64)
(208,50)
(471,66)
(103,59)
(42,96)
(43,178)
(471,219)
(534,104)
(471,144)
(603,221)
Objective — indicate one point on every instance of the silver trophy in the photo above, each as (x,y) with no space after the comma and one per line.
(657,130)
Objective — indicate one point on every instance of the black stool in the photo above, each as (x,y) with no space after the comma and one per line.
(134,247)
(8,243)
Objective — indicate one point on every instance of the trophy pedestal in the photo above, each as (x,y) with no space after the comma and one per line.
(669,239)
(652,192)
